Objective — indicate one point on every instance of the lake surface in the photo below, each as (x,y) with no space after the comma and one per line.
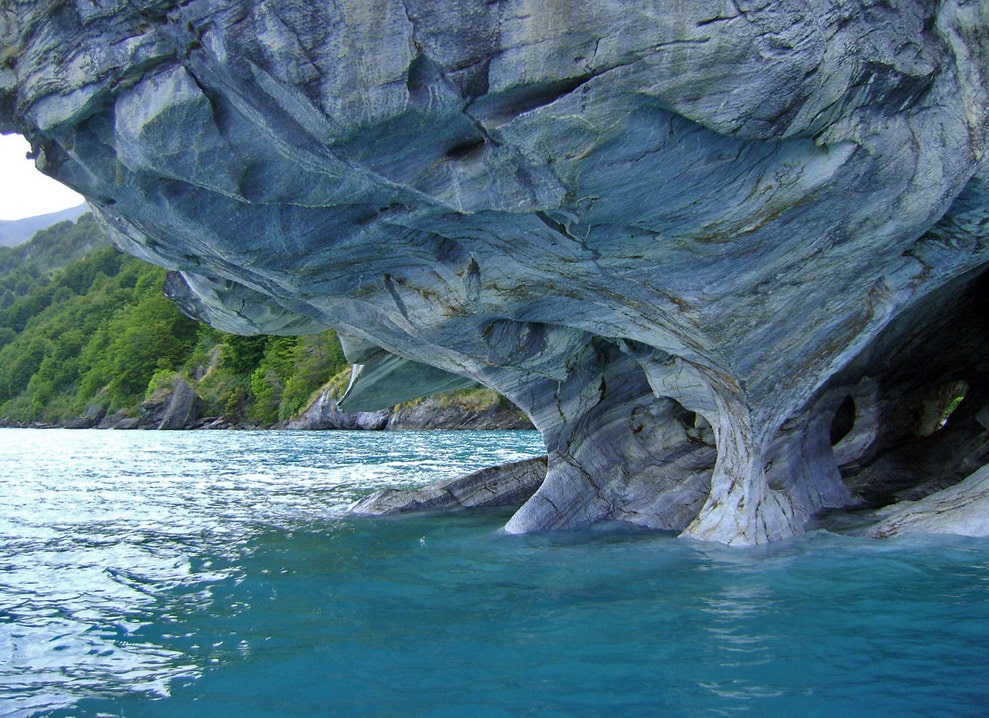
(216,574)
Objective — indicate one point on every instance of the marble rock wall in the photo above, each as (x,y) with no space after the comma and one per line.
(728,256)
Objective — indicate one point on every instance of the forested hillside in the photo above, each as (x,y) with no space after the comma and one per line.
(14,232)
(25,267)
(86,330)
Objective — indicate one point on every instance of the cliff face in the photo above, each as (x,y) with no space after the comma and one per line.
(715,250)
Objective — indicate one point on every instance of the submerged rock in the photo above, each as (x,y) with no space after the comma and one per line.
(726,256)
(507,485)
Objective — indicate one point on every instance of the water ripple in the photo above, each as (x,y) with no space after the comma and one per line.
(202,574)
(108,539)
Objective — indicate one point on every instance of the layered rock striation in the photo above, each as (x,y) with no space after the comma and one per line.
(727,256)
(510,485)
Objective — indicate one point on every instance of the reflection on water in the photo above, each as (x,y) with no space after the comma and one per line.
(174,574)
(108,539)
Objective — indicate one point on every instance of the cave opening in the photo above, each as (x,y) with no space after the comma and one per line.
(950,396)
(843,421)
(931,384)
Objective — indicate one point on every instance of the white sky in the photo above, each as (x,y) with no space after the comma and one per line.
(25,192)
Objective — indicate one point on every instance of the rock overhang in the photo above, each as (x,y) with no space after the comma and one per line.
(596,213)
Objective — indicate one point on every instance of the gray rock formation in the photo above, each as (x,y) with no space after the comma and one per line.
(706,249)
(962,509)
(508,485)
(120,420)
(431,413)
(325,413)
(175,407)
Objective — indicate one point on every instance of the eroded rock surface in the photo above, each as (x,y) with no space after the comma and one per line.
(508,485)
(962,509)
(707,249)
(177,407)
(325,413)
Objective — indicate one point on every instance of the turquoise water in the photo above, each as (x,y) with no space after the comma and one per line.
(215,574)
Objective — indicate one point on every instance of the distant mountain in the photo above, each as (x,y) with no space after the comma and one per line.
(49,249)
(18,231)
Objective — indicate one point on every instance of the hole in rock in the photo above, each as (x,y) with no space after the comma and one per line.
(421,74)
(956,390)
(844,420)
(512,103)
(469,151)
(934,410)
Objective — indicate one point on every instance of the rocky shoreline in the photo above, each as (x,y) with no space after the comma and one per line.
(178,407)
(959,509)
(509,484)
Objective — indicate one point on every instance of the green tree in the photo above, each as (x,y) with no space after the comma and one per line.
(81,323)
(242,355)
(152,335)
(14,377)
(269,379)
(315,359)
